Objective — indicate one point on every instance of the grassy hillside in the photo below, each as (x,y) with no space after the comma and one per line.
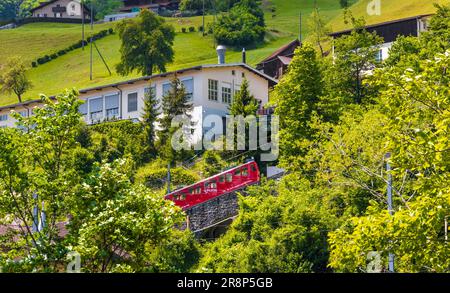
(390,10)
(72,69)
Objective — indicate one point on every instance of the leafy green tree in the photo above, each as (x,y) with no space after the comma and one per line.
(354,56)
(146,44)
(272,233)
(297,99)
(319,31)
(175,103)
(35,161)
(12,9)
(13,78)
(118,222)
(149,118)
(243,25)
(415,101)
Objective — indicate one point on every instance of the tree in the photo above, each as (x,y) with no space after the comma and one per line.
(149,118)
(118,222)
(14,79)
(175,103)
(244,103)
(243,25)
(12,9)
(319,31)
(297,98)
(354,55)
(279,229)
(35,170)
(146,44)
(103,7)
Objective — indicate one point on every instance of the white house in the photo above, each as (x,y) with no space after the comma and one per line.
(211,89)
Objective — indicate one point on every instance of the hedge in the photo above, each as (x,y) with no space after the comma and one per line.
(77,45)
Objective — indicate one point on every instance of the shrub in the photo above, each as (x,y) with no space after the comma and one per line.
(111,31)
(33,64)
(183,30)
(61,52)
(53,56)
(191,29)
(200,28)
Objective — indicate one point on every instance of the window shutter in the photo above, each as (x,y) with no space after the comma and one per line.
(112,102)
(132,102)
(96,105)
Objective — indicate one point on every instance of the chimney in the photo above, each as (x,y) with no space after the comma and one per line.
(221,50)
(244,56)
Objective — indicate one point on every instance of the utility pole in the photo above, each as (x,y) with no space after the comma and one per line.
(203,18)
(82,25)
(390,206)
(92,32)
(168,178)
(300,29)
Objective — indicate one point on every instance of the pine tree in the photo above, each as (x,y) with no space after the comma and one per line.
(174,103)
(149,118)
(244,103)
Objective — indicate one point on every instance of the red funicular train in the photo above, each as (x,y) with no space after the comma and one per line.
(217,185)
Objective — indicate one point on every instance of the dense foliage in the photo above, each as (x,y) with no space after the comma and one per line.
(243,25)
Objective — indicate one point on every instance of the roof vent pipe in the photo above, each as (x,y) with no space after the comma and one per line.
(244,56)
(221,50)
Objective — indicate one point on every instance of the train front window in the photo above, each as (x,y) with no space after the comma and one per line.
(253,168)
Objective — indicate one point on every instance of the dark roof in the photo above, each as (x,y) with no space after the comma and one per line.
(271,80)
(374,26)
(51,2)
(275,54)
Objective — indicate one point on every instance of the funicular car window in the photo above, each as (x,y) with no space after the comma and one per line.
(229,177)
(244,171)
(237,173)
(222,178)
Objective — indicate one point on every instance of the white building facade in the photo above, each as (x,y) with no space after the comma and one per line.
(210,88)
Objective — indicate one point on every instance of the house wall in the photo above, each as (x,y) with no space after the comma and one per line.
(202,106)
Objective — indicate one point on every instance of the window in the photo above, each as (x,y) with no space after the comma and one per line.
(379,56)
(226,94)
(237,173)
(253,168)
(243,75)
(112,106)
(222,178)
(233,72)
(166,88)
(96,109)
(213,90)
(132,102)
(45,14)
(83,109)
(150,91)
(244,172)
(229,177)
(23,113)
(237,88)
(3,117)
(196,190)
(189,87)
(211,185)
